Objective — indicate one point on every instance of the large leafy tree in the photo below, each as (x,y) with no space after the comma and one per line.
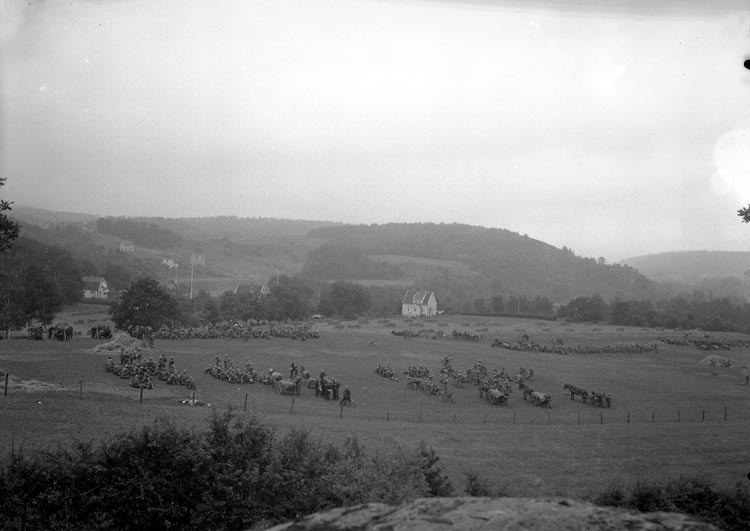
(35,281)
(348,299)
(290,299)
(145,303)
(9,228)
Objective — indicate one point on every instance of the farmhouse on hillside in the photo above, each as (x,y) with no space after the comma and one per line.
(419,303)
(95,288)
(127,247)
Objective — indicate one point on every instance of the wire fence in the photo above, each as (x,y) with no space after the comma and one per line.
(440,413)
(431,410)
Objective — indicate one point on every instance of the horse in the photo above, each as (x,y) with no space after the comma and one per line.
(526,389)
(576,391)
(289,387)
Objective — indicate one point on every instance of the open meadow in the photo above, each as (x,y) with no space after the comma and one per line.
(670,413)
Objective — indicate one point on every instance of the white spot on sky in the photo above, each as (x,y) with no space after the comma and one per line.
(43,88)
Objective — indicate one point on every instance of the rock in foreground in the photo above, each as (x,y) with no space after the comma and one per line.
(496,514)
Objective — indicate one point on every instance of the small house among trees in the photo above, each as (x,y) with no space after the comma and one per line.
(95,288)
(418,303)
(127,246)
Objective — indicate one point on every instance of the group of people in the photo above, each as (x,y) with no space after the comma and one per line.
(229,372)
(234,331)
(557,348)
(143,372)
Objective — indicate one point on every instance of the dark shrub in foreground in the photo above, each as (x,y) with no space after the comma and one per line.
(235,475)
(694,495)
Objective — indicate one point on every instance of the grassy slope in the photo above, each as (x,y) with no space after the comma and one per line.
(530,456)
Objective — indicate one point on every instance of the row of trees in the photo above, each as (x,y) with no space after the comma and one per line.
(695,311)
(147,303)
(497,304)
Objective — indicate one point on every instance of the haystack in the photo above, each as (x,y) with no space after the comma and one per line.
(714,360)
(121,342)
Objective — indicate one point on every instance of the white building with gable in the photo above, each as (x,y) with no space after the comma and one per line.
(419,303)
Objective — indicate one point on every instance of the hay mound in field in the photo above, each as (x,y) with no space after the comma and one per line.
(714,360)
(121,340)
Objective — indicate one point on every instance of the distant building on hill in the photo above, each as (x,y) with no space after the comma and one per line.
(127,247)
(418,303)
(95,288)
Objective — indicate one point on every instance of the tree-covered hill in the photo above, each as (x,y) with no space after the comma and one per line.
(692,266)
(496,261)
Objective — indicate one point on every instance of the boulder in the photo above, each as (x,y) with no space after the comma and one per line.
(496,514)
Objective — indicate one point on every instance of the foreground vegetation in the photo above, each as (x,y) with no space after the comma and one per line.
(239,474)
(235,475)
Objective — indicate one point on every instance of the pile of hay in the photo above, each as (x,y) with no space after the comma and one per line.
(714,360)
(121,342)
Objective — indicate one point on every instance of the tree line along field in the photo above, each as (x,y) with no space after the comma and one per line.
(571,449)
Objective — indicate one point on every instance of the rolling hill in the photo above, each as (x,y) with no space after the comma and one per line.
(692,266)
(462,263)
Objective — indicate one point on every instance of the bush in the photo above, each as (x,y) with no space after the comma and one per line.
(475,485)
(694,495)
(236,475)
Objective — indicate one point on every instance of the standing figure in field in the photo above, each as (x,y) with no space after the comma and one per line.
(347,400)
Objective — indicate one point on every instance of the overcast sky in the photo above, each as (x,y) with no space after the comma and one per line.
(614,131)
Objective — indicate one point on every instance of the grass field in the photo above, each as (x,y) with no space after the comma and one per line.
(572,449)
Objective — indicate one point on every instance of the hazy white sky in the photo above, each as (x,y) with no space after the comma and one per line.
(614,132)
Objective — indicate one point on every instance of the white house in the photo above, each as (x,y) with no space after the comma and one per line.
(419,303)
(95,288)
(127,247)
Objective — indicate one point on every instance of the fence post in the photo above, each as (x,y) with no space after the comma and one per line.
(678,416)
(291,407)
(579,416)
(141,399)
(245,408)
(703,416)
(341,413)
(387,416)
(628,417)
(6,383)
(81,395)
(653,416)
(725,413)
(601,417)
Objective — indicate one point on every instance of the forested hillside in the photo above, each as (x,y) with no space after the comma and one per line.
(692,266)
(242,230)
(495,262)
